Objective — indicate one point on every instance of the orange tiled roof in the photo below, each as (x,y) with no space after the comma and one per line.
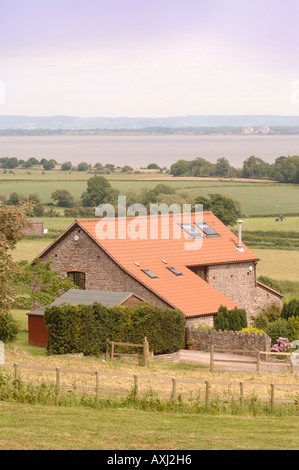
(187,292)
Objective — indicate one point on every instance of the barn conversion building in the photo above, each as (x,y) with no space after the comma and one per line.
(127,255)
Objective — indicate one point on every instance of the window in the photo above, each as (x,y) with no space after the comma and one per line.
(207,230)
(190,230)
(201,271)
(149,273)
(175,271)
(78,279)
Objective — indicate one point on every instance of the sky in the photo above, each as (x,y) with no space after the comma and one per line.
(155,58)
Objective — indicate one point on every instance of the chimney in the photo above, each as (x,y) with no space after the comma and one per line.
(239,247)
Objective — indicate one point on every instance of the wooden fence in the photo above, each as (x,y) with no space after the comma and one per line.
(256,357)
(144,346)
(135,381)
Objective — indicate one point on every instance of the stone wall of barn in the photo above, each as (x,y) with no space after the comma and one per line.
(101,272)
(238,282)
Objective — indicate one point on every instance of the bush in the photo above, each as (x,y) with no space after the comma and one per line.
(290,309)
(234,320)
(74,329)
(277,329)
(252,330)
(293,328)
(8,328)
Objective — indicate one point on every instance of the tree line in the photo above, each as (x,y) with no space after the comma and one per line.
(10,163)
(284,169)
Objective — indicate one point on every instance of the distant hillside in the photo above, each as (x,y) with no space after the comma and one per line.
(137,123)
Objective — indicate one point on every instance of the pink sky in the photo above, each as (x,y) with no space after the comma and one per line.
(158,58)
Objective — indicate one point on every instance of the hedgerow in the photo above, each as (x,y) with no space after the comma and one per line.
(85,328)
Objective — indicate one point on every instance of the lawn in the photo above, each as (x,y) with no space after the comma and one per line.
(34,427)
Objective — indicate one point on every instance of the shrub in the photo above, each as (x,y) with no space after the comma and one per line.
(234,320)
(290,309)
(277,329)
(282,345)
(261,321)
(293,328)
(252,330)
(8,328)
(74,329)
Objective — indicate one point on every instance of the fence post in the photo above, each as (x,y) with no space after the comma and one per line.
(135,385)
(107,351)
(212,358)
(97,386)
(145,353)
(207,393)
(258,361)
(112,350)
(173,389)
(57,382)
(241,394)
(272,396)
(17,377)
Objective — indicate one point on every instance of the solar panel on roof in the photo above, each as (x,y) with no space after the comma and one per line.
(207,230)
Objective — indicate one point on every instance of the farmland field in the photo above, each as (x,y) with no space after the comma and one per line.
(262,198)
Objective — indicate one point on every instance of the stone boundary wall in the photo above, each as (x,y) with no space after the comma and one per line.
(204,339)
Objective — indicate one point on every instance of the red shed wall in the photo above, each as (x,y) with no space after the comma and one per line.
(38,332)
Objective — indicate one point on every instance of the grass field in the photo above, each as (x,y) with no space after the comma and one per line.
(256,198)
(278,264)
(33,427)
(113,426)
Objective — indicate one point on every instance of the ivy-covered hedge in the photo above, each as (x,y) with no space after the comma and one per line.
(84,329)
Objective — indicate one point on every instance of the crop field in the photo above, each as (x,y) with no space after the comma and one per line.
(262,198)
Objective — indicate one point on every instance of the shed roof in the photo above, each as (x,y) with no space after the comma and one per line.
(87,297)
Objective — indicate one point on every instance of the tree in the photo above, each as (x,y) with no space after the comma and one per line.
(180,168)
(12,220)
(83,166)
(99,191)
(224,207)
(153,166)
(126,169)
(49,165)
(66,166)
(63,198)
(255,167)
(233,320)
(38,284)
(150,196)
(222,168)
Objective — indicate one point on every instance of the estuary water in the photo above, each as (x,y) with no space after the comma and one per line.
(140,150)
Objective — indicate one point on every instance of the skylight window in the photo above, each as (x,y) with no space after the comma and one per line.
(175,271)
(149,273)
(207,230)
(190,230)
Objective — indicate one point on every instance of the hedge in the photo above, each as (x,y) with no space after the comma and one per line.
(85,328)
(233,320)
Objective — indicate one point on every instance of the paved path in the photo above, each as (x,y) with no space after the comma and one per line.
(201,357)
